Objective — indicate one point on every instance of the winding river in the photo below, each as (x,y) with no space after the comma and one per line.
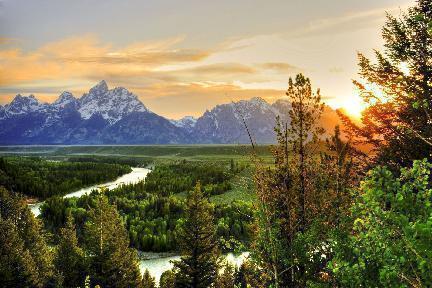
(156,263)
(133,177)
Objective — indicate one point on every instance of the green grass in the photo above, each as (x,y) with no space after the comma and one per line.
(144,152)
(243,189)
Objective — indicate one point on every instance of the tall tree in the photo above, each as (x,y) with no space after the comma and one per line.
(112,262)
(303,132)
(341,168)
(70,259)
(289,201)
(198,266)
(398,90)
(25,258)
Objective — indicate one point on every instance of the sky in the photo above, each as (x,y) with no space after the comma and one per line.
(183,57)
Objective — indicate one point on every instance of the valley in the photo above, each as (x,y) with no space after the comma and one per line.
(155,188)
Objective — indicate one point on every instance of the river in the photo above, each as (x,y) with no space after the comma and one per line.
(156,263)
(133,177)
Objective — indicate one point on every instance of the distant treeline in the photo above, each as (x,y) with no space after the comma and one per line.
(169,179)
(133,162)
(40,178)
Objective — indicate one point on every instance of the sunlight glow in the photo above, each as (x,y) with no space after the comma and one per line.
(353,105)
(403,66)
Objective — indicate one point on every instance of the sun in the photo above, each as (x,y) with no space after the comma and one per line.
(353,106)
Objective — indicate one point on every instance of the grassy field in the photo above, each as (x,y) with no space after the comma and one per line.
(145,152)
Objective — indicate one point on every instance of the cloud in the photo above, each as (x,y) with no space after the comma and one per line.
(86,57)
(280,67)
(179,99)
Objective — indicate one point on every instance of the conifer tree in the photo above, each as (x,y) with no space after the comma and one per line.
(112,262)
(289,201)
(148,281)
(167,280)
(24,255)
(397,88)
(226,279)
(70,261)
(198,266)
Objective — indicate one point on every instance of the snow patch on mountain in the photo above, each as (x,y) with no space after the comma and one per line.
(112,104)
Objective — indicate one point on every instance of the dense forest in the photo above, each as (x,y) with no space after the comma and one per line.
(40,178)
(151,212)
(324,216)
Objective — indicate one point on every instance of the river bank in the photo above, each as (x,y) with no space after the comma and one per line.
(136,175)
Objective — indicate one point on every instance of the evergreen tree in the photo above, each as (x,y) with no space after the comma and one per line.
(112,262)
(289,201)
(167,280)
(148,281)
(198,266)
(227,278)
(70,260)
(398,90)
(25,258)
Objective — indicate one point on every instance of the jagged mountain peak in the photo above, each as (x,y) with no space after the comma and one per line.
(111,104)
(64,99)
(23,104)
(99,88)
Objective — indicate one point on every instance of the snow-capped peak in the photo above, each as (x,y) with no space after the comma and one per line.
(64,99)
(185,122)
(22,104)
(112,104)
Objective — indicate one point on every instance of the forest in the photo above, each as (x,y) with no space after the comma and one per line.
(151,212)
(40,178)
(327,212)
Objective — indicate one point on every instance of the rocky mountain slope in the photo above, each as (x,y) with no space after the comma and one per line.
(117,116)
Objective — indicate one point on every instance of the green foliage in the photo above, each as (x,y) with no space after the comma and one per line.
(392,241)
(290,203)
(167,280)
(70,259)
(25,258)
(169,179)
(41,178)
(152,220)
(148,281)
(112,262)
(199,263)
(226,279)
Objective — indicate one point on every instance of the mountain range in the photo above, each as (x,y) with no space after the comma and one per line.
(117,116)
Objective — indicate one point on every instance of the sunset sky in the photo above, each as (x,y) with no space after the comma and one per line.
(183,57)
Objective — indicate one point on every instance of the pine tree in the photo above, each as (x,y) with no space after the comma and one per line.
(25,258)
(227,278)
(398,90)
(112,262)
(167,280)
(148,281)
(289,201)
(198,266)
(341,168)
(70,260)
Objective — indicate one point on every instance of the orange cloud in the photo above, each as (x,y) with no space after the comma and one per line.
(84,57)
(178,100)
